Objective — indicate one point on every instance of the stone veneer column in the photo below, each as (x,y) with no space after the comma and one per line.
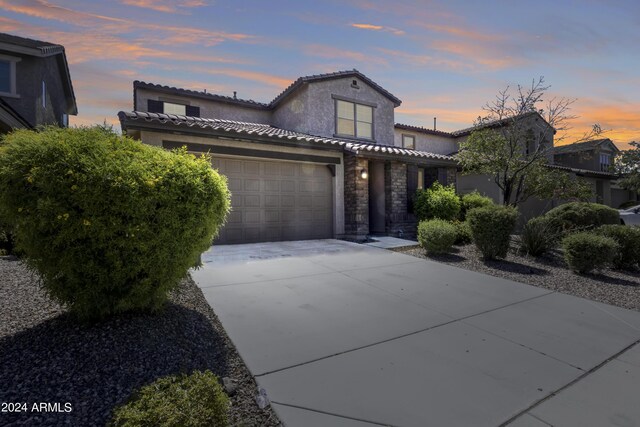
(397,218)
(356,198)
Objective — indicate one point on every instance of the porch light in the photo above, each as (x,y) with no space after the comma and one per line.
(364,174)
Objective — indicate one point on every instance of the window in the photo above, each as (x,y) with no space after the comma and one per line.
(420,179)
(605,162)
(8,75)
(172,108)
(44,95)
(409,141)
(354,119)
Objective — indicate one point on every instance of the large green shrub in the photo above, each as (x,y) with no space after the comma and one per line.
(463,232)
(491,227)
(438,202)
(196,400)
(628,240)
(538,236)
(471,201)
(585,251)
(582,216)
(110,224)
(436,235)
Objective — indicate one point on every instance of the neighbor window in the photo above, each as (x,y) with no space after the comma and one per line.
(8,75)
(165,107)
(171,108)
(605,162)
(409,141)
(420,179)
(354,119)
(44,95)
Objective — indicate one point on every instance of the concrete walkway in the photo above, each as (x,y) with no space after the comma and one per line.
(342,334)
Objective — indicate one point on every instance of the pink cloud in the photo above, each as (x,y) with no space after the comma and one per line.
(391,30)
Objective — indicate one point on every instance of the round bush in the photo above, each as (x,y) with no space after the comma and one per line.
(471,201)
(436,235)
(585,251)
(463,233)
(628,240)
(538,236)
(437,202)
(196,400)
(491,228)
(577,216)
(110,224)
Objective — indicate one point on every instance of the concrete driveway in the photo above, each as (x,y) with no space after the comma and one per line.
(341,334)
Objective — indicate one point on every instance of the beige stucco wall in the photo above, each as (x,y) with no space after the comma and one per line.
(425,142)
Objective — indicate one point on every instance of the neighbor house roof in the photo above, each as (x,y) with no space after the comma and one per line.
(42,49)
(420,129)
(586,172)
(499,123)
(583,146)
(300,81)
(140,120)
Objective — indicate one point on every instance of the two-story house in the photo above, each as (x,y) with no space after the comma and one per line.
(35,84)
(324,159)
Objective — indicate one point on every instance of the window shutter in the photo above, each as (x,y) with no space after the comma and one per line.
(412,185)
(192,111)
(155,106)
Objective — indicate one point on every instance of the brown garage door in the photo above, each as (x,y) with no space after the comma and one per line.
(273,201)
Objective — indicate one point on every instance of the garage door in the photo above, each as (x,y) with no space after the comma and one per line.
(273,201)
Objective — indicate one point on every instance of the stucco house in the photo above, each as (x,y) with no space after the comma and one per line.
(323,159)
(35,84)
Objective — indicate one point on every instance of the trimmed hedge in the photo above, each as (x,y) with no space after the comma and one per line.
(197,400)
(438,202)
(110,224)
(538,236)
(463,233)
(491,227)
(577,216)
(585,251)
(436,235)
(628,240)
(471,201)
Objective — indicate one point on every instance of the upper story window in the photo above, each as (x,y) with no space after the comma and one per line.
(172,108)
(354,120)
(409,141)
(44,95)
(605,162)
(8,75)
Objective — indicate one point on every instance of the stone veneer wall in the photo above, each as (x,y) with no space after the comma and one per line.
(398,219)
(356,198)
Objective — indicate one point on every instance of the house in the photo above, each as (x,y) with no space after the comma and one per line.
(323,159)
(593,160)
(35,84)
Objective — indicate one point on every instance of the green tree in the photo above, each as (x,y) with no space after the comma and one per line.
(513,143)
(628,165)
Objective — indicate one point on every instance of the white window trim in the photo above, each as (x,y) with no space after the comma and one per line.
(13,60)
(406,135)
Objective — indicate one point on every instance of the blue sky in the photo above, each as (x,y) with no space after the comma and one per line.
(443,59)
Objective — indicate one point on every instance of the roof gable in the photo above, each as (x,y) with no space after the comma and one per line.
(590,145)
(501,123)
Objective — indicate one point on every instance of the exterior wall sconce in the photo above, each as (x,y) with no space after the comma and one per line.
(364,174)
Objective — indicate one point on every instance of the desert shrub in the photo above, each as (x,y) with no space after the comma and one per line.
(436,235)
(438,202)
(191,401)
(578,216)
(491,228)
(628,240)
(538,236)
(463,233)
(109,224)
(585,251)
(473,200)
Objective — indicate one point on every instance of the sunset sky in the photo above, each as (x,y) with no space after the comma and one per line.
(442,58)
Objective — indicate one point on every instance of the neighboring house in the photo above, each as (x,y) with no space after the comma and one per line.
(594,161)
(324,159)
(35,85)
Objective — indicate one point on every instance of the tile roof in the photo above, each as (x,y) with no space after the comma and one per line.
(496,123)
(581,146)
(585,171)
(335,75)
(267,131)
(45,48)
(423,130)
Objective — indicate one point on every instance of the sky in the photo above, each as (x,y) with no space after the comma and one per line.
(443,59)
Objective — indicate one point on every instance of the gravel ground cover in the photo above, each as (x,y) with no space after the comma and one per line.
(46,357)
(620,288)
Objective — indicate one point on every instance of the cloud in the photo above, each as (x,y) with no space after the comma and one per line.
(461,32)
(427,60)
(331,52)
(391,30)
(165,6)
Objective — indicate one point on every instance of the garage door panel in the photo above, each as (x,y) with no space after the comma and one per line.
(273,201)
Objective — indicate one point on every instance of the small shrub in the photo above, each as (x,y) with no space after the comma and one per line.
(628,240)
(491,228)
(578,216)
(538,236)
(585,251)
(110,224)
(438,202)
(471,201)
(6,239)
(436,235)
(196,400)
(463,233)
